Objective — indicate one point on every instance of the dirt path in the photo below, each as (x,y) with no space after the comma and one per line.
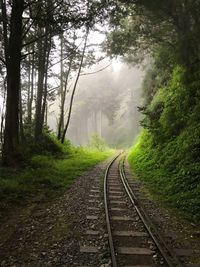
(49,234)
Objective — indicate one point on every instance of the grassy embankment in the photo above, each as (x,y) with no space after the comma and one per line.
(47,175)
(167,155)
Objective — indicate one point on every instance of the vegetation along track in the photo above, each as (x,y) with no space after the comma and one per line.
(133,240)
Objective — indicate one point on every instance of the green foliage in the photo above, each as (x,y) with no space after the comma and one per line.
(47,175)
(47,144)
(98,142)
(167,154)
(142,26)
(158,73)
(169,111)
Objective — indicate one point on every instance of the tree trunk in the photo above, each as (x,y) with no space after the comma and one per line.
(74,88)
(61,118)
(44,104)
(2,117)
(29,86)
(11,137)
(40,88)
(100,123)
(31,89)
(63,94)
(21,128)
(46,115)
(62,106)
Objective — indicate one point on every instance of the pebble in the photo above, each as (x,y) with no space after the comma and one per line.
(152,247)
(43,254)
(92,226)
(197,233)
(162,262)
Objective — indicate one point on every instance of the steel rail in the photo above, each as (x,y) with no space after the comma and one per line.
(112,250)
(169,256)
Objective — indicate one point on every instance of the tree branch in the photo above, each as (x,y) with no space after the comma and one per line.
(74,88)
(3,60)
(90,73)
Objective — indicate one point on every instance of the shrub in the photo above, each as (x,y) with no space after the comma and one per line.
(168,159)
(97,142)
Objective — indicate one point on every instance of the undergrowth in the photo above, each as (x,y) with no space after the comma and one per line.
(47,175)
(167,153)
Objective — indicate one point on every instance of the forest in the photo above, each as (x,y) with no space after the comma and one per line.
(99,133)
(166,154)
(48,53)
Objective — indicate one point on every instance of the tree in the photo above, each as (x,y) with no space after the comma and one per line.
(12,50)
(65,77)
(149,24)
(29,29)
(44,47)
(97,142)
(75,85)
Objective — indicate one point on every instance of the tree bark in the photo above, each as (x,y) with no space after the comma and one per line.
(31,89)
(13,62)
(62,106)
(21,128)
(44,104)
(2,116)
(61,118)
(40,88)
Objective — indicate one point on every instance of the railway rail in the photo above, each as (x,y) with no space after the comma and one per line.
(133,239)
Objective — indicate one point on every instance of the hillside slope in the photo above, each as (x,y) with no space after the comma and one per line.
(167,153)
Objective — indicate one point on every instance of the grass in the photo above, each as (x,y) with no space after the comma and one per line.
(171,177)
(47,176)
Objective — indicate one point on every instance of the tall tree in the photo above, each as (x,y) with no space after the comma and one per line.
(75,86)
(13,48)
(19,27)
(64,80)
(44,47)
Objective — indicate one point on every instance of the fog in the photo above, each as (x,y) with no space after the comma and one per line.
(106,98)
(105,103)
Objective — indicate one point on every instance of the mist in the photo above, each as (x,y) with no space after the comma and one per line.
(105,103)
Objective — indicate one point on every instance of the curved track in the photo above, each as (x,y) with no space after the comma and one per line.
(133,239)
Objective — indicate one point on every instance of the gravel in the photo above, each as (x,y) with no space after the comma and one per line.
(52,233)
(178,233)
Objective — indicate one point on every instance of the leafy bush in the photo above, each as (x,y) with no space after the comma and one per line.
(47,144)
(168,159)
(97,142)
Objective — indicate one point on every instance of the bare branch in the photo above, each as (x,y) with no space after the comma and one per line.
(90,73)
(3,60)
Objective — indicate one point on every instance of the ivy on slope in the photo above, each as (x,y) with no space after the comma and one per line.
(167,153)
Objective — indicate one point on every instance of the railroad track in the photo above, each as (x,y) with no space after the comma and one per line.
(133,240)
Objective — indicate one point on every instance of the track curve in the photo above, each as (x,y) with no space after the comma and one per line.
(133,239)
